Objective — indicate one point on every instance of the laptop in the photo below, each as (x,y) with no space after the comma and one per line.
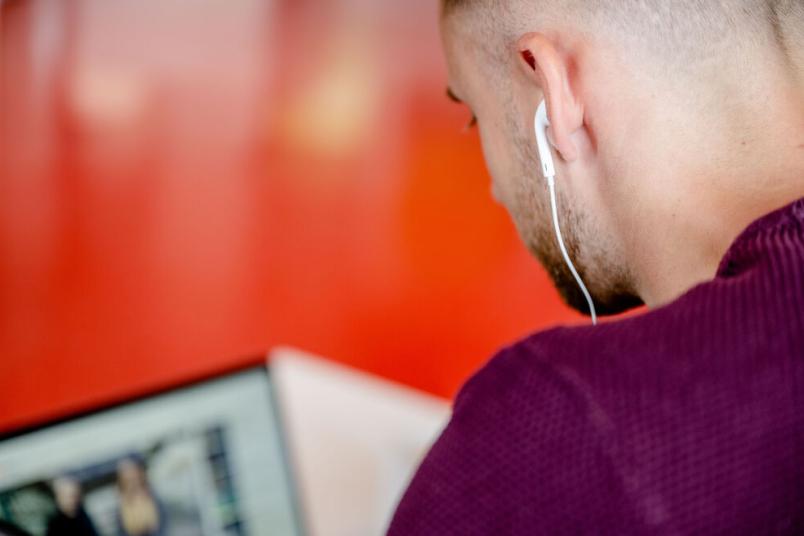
(203,459)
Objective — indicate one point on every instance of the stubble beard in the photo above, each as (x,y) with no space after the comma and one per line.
(609,284)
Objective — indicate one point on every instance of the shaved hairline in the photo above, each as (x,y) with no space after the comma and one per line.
(679,21)
(684,30)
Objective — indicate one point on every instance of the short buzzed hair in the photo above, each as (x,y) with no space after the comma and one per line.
(673,29)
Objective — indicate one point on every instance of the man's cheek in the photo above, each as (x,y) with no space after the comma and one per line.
(495,192)
(498,164)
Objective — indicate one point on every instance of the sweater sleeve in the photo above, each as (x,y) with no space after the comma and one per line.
(519,456)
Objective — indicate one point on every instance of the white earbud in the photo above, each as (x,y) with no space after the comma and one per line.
(540,124)
(546,157)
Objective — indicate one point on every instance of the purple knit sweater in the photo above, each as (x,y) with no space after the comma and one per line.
(688,419)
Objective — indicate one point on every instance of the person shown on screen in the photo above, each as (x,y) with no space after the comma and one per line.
(70,519)
(140,512)
(676,131)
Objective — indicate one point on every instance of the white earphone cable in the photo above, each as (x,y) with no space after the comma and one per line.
(551,183)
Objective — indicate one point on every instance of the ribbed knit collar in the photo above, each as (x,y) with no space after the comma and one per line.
(744,250)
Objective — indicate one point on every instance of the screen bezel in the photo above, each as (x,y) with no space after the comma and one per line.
(253,364)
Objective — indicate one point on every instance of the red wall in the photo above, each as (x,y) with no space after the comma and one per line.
(186,183)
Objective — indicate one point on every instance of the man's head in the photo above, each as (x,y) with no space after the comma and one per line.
(68,495)
(659,111)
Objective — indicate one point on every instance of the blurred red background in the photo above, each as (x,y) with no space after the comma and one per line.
(186,182)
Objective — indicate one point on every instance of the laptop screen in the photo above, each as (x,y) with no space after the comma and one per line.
(205,459)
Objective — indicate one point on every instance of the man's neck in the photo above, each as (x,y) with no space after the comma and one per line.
(688,262)
(685,242)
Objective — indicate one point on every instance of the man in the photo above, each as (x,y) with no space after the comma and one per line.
(677,130)
(70,518)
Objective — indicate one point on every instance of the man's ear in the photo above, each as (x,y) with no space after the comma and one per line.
(546,67)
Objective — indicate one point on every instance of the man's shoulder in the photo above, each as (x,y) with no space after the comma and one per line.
(705,344)
(634,424)
(518,453)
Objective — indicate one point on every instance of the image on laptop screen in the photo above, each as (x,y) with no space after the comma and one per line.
(201,460)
